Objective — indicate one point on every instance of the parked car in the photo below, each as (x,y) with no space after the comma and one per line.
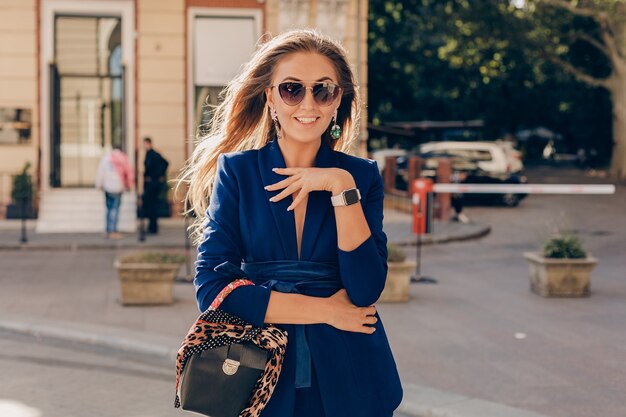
(499,157)
(472,174)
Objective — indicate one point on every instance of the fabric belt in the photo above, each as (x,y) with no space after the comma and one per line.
(290,277)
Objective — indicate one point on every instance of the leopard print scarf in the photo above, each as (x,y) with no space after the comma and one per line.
(215,328)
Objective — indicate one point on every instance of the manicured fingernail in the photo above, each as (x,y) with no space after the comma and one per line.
(289,208)
(272,199)
(274,169)
(266,187)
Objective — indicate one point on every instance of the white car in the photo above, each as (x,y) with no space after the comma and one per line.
(499,157)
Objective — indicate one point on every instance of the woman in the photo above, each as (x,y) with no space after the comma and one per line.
(318,264)
(114,176)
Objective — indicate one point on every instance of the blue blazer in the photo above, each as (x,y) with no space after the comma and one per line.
(356,371)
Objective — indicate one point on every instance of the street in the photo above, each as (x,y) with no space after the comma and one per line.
(52,378)
(480,332)
(59,379)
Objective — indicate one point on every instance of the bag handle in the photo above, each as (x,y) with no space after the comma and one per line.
(228,269)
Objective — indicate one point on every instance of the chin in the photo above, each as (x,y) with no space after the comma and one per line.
(306,138)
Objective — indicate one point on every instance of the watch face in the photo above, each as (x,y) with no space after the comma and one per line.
(351,196)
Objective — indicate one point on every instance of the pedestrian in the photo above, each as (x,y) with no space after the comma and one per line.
(114,176)
(457,200)
(302,220)
(155,168)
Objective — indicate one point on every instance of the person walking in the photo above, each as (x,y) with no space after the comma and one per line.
(155,168)
(114,176)
(301,220)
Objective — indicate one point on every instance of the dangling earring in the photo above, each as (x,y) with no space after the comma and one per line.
(275,119)
(335,130)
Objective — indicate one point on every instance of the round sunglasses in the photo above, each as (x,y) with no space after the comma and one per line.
(292,93)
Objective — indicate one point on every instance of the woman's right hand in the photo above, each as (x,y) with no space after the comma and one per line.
(346,316)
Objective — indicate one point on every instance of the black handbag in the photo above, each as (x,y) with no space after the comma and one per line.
(227,367)
(229,372)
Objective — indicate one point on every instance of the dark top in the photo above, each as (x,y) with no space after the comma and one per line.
(155,166)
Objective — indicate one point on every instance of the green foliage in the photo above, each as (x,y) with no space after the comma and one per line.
(485,59)
(153,257)
(569,247)
(22,190)
(394,253)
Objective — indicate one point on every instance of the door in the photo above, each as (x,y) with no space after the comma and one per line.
(87,97)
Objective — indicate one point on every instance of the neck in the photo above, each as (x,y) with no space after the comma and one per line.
(296,154)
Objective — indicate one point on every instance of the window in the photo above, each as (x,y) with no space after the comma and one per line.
(221,45)
(15,125)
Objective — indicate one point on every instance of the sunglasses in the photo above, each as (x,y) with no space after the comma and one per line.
(292,92)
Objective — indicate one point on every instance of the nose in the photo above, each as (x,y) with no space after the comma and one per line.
(308,101)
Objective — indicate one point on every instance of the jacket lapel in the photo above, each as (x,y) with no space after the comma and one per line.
(318,203)
(270,157)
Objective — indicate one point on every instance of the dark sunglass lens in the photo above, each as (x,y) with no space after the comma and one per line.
(291,93)
(325,93)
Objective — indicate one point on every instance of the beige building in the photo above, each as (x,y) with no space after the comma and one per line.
(78,76)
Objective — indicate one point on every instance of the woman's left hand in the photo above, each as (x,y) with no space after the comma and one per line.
(306,180)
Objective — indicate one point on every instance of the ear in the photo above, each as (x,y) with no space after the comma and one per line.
(269,97)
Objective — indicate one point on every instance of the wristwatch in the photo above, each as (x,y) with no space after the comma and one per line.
(346,197)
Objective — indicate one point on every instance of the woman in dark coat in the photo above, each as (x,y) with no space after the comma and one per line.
(293,213)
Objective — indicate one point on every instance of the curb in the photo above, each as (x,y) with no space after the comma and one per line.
(418,401)
(481,230)
(87,246)
(162,347)
(478,232)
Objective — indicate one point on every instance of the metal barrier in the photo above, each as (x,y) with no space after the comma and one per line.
(424,188)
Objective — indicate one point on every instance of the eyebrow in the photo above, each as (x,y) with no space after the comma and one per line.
(318,80)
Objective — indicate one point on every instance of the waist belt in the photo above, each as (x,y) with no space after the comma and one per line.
(290,277)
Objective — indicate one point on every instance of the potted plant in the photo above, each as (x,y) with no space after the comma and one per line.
(148,277)
(562,270)
(21,195)
(398,276)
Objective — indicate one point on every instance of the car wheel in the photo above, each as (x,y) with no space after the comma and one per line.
(510,200)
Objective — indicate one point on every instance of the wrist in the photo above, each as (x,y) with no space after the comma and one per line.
(325,315)
(342,182)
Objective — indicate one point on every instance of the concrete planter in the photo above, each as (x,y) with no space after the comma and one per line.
(560,277)
(398,282)
(146,283)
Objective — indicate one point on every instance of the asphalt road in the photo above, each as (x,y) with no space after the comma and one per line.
(51,378)
(480,332)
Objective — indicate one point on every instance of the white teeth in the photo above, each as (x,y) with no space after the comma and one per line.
(306,119)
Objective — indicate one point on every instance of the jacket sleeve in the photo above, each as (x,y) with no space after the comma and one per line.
(222,243)
(364,269)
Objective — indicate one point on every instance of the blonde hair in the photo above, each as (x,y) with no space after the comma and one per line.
(243,121)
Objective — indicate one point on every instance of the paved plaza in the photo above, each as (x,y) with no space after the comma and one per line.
(478,334)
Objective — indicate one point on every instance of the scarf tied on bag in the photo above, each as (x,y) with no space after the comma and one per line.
(215,328)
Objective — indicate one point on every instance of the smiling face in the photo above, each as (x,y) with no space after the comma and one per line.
(306,121)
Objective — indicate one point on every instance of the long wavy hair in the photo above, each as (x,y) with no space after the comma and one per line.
(242,121)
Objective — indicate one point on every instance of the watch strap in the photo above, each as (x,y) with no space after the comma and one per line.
(346,197)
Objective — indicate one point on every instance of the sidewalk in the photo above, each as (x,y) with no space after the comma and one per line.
(397,225)
(72,295)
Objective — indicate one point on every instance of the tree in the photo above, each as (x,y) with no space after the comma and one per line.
(604,28)
(484,59)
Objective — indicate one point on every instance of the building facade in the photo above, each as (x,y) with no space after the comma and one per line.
(80,76)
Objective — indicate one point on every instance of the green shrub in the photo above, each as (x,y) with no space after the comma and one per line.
(22,190)
(564,247)
(153,257)
(394,253)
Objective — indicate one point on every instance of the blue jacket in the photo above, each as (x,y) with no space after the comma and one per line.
(356,371)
